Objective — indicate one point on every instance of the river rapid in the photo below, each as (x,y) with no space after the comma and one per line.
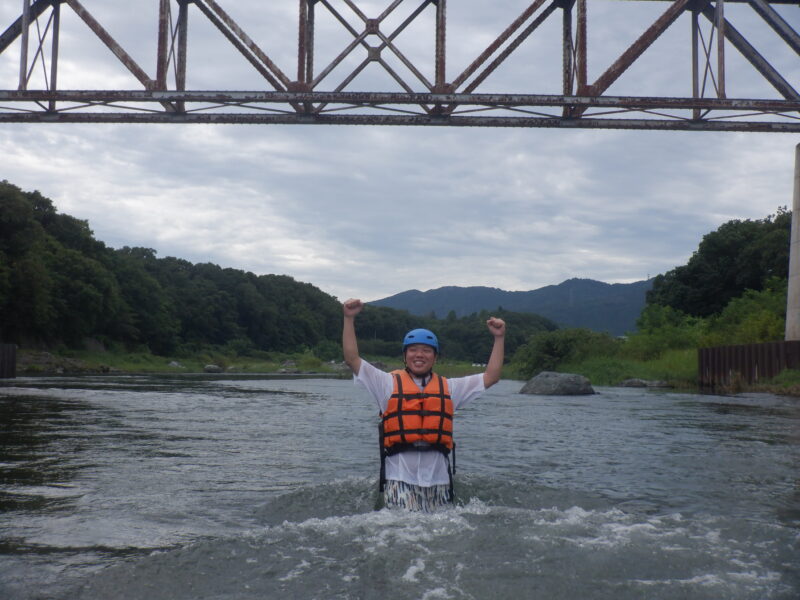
(200,487)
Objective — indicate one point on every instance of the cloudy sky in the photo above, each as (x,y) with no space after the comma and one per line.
(369,211)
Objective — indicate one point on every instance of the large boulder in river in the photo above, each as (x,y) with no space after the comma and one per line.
(548,383)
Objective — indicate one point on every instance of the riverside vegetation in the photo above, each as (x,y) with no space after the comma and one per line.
(91,307)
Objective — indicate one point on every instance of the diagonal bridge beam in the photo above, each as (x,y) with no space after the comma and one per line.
(423,93)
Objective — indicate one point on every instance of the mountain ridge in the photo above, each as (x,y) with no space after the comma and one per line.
(576,302)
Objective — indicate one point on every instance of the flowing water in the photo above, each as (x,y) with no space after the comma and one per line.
(250,487)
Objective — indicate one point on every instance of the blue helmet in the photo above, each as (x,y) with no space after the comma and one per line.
(421,336)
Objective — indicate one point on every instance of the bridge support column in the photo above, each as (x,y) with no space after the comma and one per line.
(793,295)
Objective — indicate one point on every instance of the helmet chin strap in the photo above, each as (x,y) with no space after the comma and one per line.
(424,378)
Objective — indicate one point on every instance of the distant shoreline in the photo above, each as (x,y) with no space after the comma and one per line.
(50,363)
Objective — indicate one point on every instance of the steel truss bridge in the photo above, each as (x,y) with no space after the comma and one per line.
(321,88)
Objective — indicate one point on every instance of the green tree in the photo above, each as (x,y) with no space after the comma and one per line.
(738,256)
(5,285)
(754,317)
(148,315)
(546,351)
(85,295)
(19,230)
(25,282)
(29,314)
(662,328)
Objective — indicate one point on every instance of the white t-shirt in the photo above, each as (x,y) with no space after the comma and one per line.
(418,468)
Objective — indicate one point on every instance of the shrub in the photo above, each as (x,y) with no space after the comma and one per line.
(328,350)
(308,362)
(546,351)
(752,318)
(239,347)
(662,328)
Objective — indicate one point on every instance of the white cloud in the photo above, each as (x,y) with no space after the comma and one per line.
(372,211)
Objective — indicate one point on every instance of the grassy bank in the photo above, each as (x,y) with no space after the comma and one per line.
(676,367)
(32,362)
(35,362)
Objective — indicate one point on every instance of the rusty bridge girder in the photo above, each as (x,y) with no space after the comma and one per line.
(324,88)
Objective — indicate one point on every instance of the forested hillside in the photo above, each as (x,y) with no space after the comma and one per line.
(740,255)
(731,291)
(595,305)
(59,286)
(380,331)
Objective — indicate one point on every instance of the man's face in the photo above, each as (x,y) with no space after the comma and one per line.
(420,359)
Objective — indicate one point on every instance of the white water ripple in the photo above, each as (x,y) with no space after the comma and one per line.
(248,488)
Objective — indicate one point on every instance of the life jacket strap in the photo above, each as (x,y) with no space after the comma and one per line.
(418,446)
(419,413)
(400,397)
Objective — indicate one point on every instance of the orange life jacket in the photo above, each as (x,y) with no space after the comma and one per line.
(416,420)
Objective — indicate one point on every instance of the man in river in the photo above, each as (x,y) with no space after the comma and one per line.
(417,407)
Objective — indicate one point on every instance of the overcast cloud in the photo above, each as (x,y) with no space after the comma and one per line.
(373,211)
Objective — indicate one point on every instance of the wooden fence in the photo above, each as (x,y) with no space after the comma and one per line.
(725,366)
(8,361)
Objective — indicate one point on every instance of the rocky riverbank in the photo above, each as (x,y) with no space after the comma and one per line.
(42,362)
(39,362)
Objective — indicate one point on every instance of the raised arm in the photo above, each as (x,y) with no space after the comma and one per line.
(350,308)
(494,367)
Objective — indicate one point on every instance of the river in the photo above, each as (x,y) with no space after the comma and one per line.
(201,487)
